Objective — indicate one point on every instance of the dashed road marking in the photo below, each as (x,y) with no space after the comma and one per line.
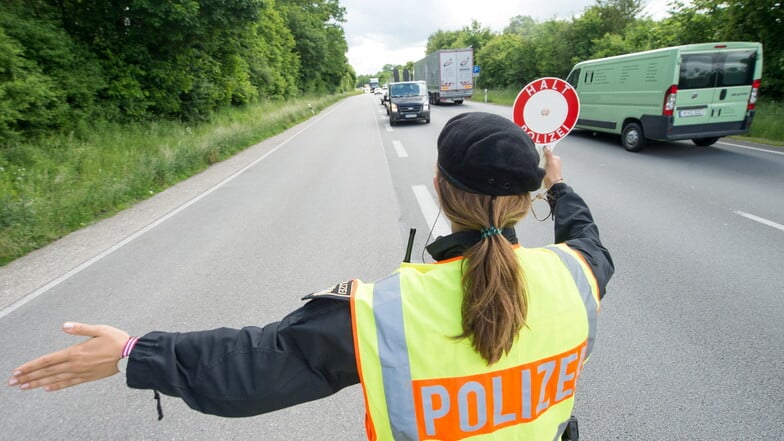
(761,220)
(401,152)
(431,211)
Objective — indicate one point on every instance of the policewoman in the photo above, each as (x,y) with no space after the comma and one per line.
(488,343)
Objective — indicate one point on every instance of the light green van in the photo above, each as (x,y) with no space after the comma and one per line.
(698,91)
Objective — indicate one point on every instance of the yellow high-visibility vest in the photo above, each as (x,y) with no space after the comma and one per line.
(421,383)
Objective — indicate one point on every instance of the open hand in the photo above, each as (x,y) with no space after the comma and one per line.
(89,360)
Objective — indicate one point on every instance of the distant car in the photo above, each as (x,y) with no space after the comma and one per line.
(378,91)
(384,94)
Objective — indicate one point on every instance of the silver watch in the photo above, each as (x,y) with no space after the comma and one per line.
(122,365)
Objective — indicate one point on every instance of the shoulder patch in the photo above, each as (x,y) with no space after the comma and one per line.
(341,291)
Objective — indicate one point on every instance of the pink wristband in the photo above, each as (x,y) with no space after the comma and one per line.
(126,351)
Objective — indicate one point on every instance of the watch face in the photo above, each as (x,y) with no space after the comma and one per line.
(122,365)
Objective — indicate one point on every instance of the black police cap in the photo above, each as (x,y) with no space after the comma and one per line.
(484,153)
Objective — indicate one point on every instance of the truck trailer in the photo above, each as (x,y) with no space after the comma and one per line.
(448,73)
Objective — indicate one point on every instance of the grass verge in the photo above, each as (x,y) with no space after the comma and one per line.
(62,183)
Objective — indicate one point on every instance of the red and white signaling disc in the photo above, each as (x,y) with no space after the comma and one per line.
(547,110)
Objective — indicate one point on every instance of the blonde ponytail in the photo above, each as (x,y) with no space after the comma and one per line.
(495,303)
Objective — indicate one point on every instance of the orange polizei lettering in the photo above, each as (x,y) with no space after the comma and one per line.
(459,407)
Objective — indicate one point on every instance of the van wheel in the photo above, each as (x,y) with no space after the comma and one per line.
(704,142)
(632,137)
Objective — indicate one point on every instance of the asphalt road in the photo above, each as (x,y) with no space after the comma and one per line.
(690,334)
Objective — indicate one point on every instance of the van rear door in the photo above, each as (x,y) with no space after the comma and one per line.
(734,79)
(714,87)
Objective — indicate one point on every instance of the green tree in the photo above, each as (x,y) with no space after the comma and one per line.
(319,42)
(585,31)
(47,81)
(610,45)
(182,59)
(522,25)
(554,53)
(617,15)
(763,21)
(273,63)
(441,40)
(66,62)
(688,25)
(385,75)
(736,20)
(335,64)
(506,60)
(474,36)
(646,34)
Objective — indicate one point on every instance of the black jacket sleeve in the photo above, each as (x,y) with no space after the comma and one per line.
(310,353)
(574,225)
(241,372)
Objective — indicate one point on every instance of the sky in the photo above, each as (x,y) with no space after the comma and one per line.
(395,32)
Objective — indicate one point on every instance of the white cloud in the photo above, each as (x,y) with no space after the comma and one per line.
(380,33)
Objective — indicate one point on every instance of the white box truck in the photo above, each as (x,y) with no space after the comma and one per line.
(373,85)
(448,73)
(698,91)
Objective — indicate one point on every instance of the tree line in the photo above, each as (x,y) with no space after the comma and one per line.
(66,63)
(528,49)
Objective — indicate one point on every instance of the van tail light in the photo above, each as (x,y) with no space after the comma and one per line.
(753,97)
(669,100)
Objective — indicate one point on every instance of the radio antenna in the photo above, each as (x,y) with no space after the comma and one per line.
(411,234)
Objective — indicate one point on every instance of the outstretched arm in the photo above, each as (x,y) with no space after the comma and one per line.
(229,372)
(574,223)
(89,360)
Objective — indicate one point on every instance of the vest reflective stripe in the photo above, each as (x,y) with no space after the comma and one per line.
(588,290)
(393,353)
(445,390)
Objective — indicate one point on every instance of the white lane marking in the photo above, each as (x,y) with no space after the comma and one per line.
(430,211)
(389,127)
(751,148)
(21,302)
(761,220)
(401,152)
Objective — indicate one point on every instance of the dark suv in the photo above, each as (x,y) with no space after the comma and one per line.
(407,101)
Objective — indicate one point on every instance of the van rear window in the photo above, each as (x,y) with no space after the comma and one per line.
(697,72)
(725,69)
(737,69)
